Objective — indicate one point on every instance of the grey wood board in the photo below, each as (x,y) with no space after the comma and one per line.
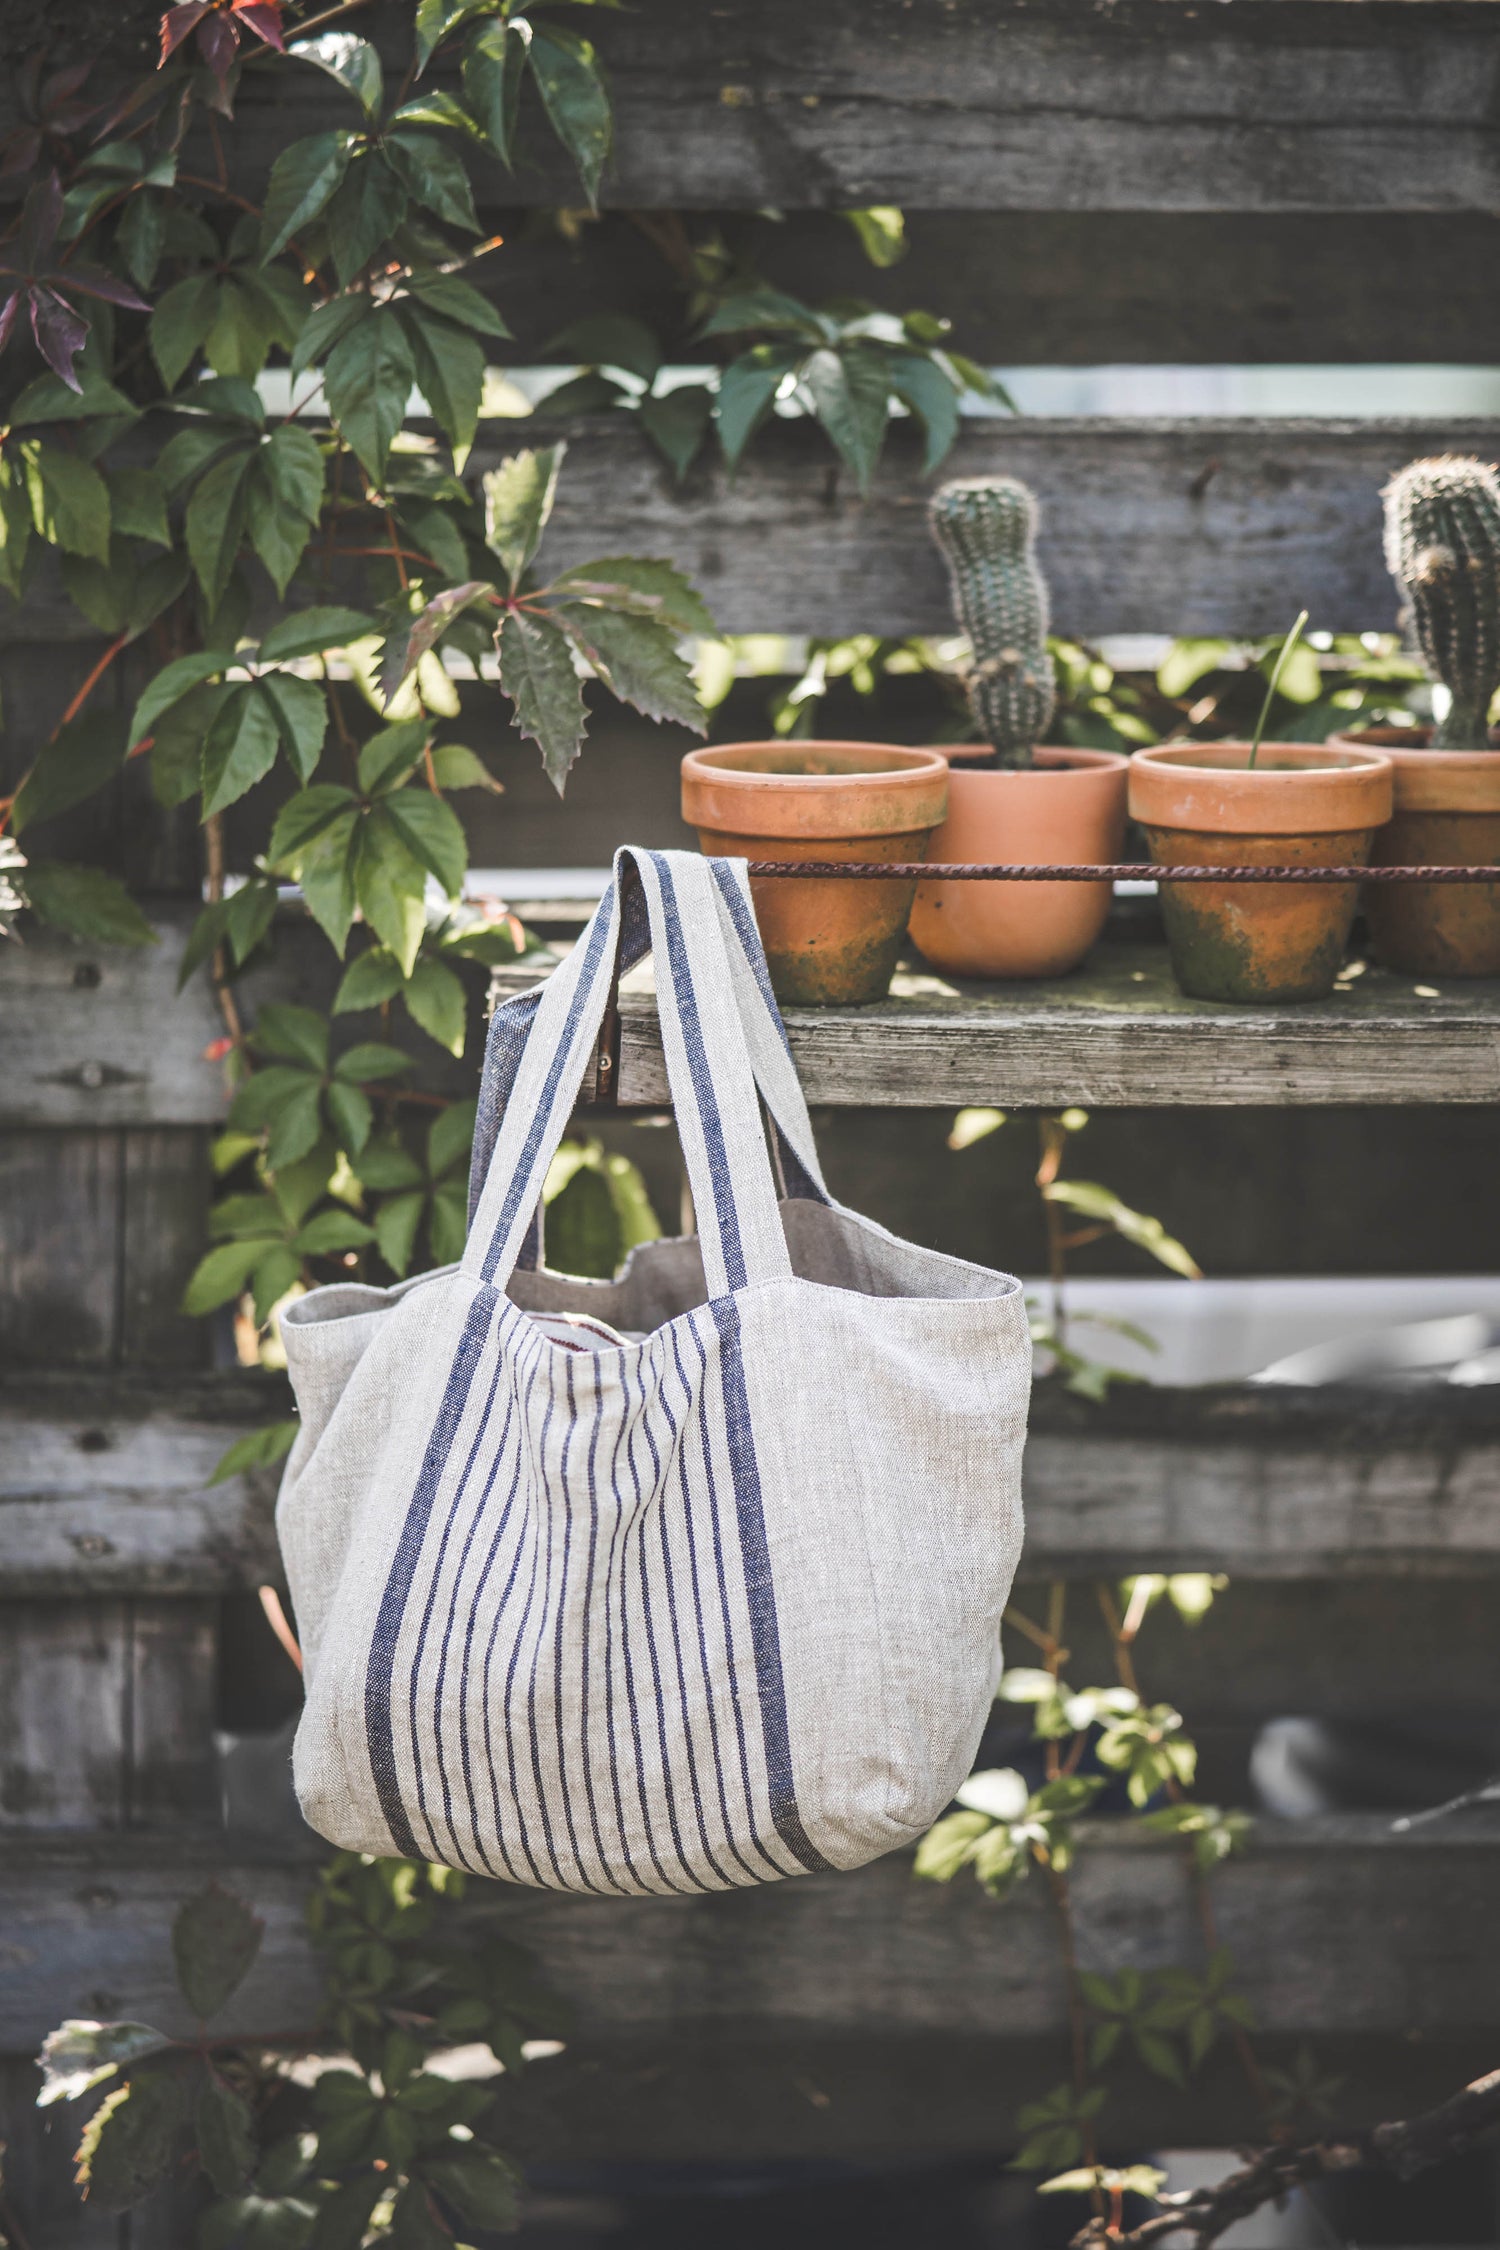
(1289,105)
(1338,1928)
(1199,525)
(1118,1034)
(104,1487)
(1065,288)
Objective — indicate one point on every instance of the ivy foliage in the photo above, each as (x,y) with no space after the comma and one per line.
(383,2141)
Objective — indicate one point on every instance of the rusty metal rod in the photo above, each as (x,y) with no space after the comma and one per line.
(1126,871)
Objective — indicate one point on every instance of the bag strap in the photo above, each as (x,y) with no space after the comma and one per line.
(765,1034)
(544,1052)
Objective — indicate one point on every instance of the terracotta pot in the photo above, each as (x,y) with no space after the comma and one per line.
(1069,807)
(1447,815)
(831,943)
(1302,805)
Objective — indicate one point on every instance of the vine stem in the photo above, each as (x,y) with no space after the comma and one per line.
(89,685)
(213,846)
(1067,1943)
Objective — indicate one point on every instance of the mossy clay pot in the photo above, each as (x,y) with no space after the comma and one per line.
(1065,809)
(828,943)
(1303,804)
(1447,815)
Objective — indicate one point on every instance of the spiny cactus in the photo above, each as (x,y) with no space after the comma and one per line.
(986,528)
(1442,547)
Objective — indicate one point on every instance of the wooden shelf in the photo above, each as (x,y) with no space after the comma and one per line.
(1118,1034)
(104,1484)
(1340,1932)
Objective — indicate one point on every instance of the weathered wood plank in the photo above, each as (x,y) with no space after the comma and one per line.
(1337,1927)
(104,1487)
(59,1235)
(1069,288)
(1301,105)
(1119,1034)
(1203,525)
(166,1187)
(171,1775)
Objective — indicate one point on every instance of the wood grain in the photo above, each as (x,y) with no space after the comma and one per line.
(1338,1928)
(104,1487)
(1150,105)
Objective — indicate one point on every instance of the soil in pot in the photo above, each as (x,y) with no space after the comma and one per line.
(828,943)
(1067,808)
(1447,815)
(1301,805)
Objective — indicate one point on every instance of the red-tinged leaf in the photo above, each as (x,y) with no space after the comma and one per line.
(263,17)
(60,335)
(8,312)
(95,282)
(40,220)
(21,151)
(218,43)
(63,85)
(177,23)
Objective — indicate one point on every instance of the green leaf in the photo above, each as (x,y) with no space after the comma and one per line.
(171,684)
(391,884)
(48,399)
(178,325)
(747,391)
(309,632)
(518,499)
(480,2185)
(129,2143)
(449,367)
(659,590)
(921,384)
(437,107)
(138,505)
(241,748)
(324,327)
(881,229)
(296,1034)
(343,2221)
(369,379)
(283,494)
(570,81)
(536,672)
(949,1845)
(141,237)
(1092,1201)
(80,2055)
(87,902)
(455,300)
(678,423)
(247,321)
(302,715)
(332,1232)
(432,172)
(281,1268)
(608,340)
(69,501)
(456,767)
(1187,662)
(452,1137)
(447,1229)
(327,873)
(365,213)
(372,1058)
(215,522)
(215,1939)
(437,18)
(80,758)
(389,1165)
(389,756)
(351,1114)
(763,308)
(638,661)
(435,999)
(307,817)
(352,61)
(396,1223)
(222,1275)
(410,638)
(494,67)
(303,180)
(225,2128)
(850,394)
(433,833)
(372,978)
(258,1449)
(124,595)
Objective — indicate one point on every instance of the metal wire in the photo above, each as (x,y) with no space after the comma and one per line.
(1125,871)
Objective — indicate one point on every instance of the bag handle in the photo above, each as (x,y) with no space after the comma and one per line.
(709,1072)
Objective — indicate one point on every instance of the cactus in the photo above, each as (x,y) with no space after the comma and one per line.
(1442,547)
(986,528)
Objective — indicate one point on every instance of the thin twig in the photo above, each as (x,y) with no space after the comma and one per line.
(213,845)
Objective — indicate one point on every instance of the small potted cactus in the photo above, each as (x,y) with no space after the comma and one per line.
(1009,799)
(1442,546)
(1291,804)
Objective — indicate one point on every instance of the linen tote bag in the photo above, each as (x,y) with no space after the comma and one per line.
(676,1582)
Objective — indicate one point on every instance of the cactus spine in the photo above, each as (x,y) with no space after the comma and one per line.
(986,528)
(1442,547)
